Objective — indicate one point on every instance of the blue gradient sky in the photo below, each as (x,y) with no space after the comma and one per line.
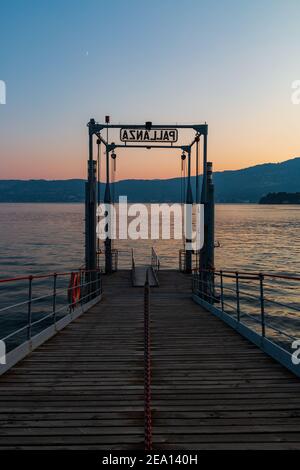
(230,63)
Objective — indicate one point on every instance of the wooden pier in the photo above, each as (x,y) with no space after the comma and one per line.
(211,388)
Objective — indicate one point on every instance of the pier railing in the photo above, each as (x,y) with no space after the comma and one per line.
(155,261)
(33,308)
(183,262)
(264,306)
(114,259)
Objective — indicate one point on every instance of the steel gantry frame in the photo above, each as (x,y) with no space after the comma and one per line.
(206,197)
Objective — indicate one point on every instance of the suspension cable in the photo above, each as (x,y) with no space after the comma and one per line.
(182,183)
(113,172)
(197,170)
(98,170)
(98,191)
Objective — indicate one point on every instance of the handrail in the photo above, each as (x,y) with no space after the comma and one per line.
(183,261)
(132,259)
(44,276)
(257,303)
(115,259)
(83,287)
(250,273)
(155,261)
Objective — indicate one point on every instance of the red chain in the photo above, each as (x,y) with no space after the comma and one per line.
(147,371)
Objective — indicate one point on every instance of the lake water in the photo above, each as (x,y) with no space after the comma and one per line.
(44,238)
(37,238)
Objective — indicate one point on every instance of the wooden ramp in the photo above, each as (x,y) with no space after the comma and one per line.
(211,388)
(139,274)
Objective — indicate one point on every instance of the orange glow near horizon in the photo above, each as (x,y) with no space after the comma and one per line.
(65,157)
(136,164)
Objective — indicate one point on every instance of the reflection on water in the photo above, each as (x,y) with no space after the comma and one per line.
(258,237)
(50,237)
(39,238)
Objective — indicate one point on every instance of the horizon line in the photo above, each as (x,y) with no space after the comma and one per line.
(149,179)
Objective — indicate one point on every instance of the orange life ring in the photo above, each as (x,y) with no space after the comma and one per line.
(74,291)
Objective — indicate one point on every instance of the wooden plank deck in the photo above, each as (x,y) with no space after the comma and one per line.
(211,388)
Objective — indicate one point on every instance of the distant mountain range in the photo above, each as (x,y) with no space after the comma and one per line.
(246,185)
(280,198)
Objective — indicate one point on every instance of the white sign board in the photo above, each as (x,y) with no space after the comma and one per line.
(152,135)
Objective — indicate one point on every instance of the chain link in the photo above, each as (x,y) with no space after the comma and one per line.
(147,369)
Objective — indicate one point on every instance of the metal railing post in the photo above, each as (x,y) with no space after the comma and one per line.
(222,290)
(237,288)
(29,317)
(54,297)
(262,305)
(90,286)
(201,285)
(98,283)
(94,283)
(82,294)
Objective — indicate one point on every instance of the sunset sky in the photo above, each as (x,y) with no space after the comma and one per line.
(228,62)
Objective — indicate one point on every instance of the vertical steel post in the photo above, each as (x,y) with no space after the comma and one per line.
(189,204)
(90,207)
(197,171)
(197,193)
(54,297)
(210,229)
(82,290)
(100,282)
(203,252)
(237,289)
(29,311)
(98,195)
(107,201)
(98,171)
(222,290)
(204,180)
(262,305)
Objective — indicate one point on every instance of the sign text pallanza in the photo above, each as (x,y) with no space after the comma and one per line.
(144,135)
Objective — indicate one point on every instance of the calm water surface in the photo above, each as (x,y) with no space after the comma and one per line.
(38,238)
